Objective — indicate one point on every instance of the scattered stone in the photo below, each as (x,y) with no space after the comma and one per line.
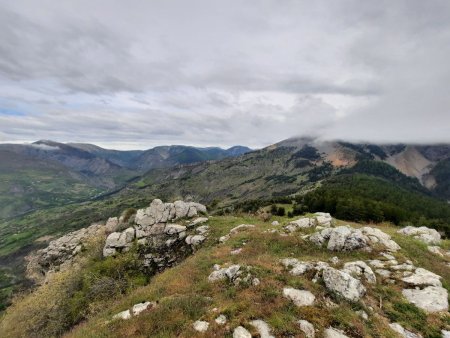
(376,263)
(307,328)
(223,239)
(424,234)
(201,326)
(423,277)
(138,308)
(236,251)
(435,249)
(241,332)
(223,273)
(195,240)
(333,333)
(445,334)
(430,299)
(404,333)
(123,315)
(221,320)
(299,297)
(377,236)
(363,314)
(262,327)
(275,223)
(342,283)
(202,229)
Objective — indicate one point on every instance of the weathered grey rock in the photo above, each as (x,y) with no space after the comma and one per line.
(333,333)
(221,320)
(298,267)
(435,249)
(404,333)
(359,268)
(424,234)
(262,327)
(61,252)
(141,307)
(200,326)
(363,314)
(275,223)
(223,273)
(241,332)
(195,240)
(299,297)
(384,273)
(198,220)
(423,277)
(202,229)
(377,236)
(342,283)
(344,238)
(307,328)
(323,219)
(430,299)
(112,224)
(445,334)
(123,315)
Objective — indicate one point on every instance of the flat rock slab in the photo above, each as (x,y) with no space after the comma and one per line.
(299,297)
(430,299)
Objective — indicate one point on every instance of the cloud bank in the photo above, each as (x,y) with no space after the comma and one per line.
(137,74)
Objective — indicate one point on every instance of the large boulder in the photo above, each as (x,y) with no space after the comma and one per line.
(424,234)
(430,299)
(343,284)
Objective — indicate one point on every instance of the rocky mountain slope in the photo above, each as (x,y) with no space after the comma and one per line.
(176,273)
(48,173)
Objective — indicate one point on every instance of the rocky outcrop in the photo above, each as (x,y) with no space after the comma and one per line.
(234,274)
(61,253)
(424,234)
(343,284)
(319,219)
(346,238)
(160,242)
(359,269)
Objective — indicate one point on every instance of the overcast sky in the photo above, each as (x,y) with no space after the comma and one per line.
(135,74)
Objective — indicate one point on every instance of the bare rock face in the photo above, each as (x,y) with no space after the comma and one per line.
(161,242)
(424,234)
(343,284)
(60,253)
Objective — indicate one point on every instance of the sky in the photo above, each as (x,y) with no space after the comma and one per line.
(135,74)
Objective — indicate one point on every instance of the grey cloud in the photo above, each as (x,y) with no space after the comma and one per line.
(224,72)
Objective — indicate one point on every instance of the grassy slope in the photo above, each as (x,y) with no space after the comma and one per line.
(184,294)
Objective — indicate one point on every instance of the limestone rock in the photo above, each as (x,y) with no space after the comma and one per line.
(224,273)
(430,299)
(138,308)
(123,315)
(404,333)
(201,326)
(424,234)
(342,283)
(359,268)
(445,334)
(221,320)
(307,328)
(299,297)
(262,327)
(241,332)
(333,333)
(423,277)
(275,223)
